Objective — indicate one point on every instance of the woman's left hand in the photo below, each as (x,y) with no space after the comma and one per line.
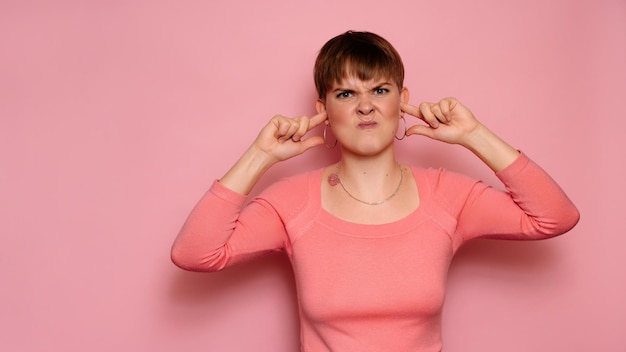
(447,121)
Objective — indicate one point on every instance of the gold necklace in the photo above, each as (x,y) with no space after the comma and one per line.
(334,179)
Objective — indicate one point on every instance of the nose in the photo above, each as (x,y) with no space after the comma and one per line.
(365,107)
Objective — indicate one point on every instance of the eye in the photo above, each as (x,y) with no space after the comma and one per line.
(344,94)
(381,91)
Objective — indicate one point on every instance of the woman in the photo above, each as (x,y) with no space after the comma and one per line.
(370,239)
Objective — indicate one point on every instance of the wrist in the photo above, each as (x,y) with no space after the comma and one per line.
(477,137)
(490,148)
(256,160)
(242,177)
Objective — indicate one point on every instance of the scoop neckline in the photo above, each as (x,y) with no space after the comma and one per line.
(355,229)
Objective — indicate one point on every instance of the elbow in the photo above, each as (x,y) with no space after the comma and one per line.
(190,261)
(572,218)
(180,259)
(562,224)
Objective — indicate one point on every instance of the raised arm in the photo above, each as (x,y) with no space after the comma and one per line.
(219,230)
(534,206)
(451,122)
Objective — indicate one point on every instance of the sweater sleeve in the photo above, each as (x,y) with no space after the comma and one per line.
(533,206)
(221,231)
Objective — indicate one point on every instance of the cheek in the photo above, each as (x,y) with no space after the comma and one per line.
(337,112)
(392,108)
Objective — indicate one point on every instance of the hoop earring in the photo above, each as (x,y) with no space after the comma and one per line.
(404,134)
(325,143)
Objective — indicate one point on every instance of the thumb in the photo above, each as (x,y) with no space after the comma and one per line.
(311,142)
(420,130)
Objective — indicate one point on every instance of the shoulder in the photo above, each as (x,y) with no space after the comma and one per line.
(447,188)
(292,193)
(284,187)
(442,180)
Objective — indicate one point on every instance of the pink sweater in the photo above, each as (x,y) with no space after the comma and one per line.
(372,287)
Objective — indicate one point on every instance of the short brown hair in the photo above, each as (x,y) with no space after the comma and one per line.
(362,54)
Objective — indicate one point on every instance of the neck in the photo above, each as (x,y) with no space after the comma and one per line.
(368,168)
(370,179)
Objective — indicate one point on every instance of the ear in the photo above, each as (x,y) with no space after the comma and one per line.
(320,106)
(404,95)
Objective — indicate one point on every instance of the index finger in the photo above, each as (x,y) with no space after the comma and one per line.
(316,120)
(411,110)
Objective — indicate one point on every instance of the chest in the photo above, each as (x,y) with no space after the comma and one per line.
(346,276)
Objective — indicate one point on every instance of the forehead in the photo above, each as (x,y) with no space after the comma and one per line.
(351,80)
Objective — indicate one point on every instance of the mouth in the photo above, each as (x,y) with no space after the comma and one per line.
(366,125)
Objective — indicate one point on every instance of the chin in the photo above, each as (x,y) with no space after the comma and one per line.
(370,149)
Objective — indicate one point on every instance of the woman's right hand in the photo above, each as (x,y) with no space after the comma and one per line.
(281,138)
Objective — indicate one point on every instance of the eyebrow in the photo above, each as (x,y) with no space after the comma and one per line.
(342,90)
(377,85)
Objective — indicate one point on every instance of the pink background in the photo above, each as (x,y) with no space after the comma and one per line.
(117,115)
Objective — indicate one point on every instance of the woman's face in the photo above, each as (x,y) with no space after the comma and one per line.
(364,115)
